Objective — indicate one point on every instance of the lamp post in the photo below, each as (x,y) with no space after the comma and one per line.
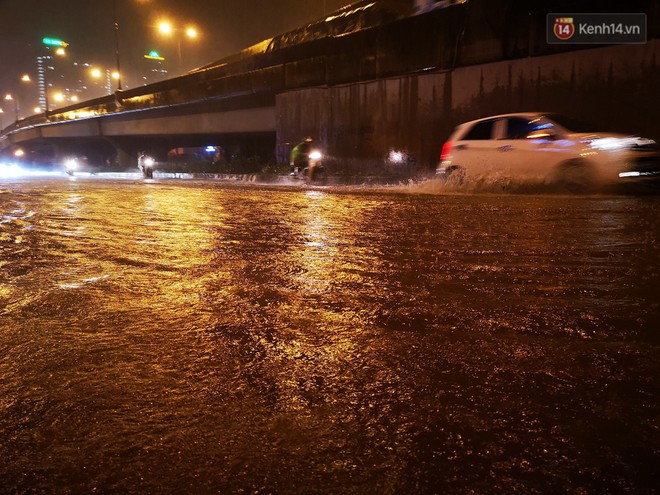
(26,79)
(189,32)
(116,29)
(106,75)
(9,97)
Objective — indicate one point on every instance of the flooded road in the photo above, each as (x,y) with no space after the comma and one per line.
(200,337)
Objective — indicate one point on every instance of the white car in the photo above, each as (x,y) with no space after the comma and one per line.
(545,147)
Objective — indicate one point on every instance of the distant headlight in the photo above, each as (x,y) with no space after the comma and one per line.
(71,164)
(10,170)
(396,156)
(315,155)
(149,162)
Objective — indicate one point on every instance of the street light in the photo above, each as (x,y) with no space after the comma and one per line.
(9,97)
(189,32)
(116,29)
(98,74)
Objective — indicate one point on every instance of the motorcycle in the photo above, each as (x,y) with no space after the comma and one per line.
(314,171)
(146,165)
(70,166)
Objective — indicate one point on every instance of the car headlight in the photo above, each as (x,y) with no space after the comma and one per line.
(615,144)
(607,144)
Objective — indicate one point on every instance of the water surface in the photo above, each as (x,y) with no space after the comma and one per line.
(182,337)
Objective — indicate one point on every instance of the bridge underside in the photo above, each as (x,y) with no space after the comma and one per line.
(118,139)
(167,122)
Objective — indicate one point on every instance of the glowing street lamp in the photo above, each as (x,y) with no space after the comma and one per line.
(165,28)
(9,97)
(99,73)
(189,32)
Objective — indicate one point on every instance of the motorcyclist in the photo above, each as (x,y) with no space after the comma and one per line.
(300,156)
(143,165)
(141,157)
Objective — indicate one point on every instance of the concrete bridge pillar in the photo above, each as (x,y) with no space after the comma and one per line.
(125,158)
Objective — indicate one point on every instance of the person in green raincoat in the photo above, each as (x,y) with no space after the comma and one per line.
(300,155)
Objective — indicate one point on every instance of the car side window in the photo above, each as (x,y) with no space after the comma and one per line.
(480,131)
(518,128)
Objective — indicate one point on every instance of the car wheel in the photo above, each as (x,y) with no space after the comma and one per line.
(576,176)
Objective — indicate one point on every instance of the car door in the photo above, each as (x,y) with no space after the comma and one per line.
(529,148)
(473,151)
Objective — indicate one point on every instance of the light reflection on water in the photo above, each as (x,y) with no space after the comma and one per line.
(170,338)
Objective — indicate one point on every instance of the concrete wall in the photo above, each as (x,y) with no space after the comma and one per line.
(615,87)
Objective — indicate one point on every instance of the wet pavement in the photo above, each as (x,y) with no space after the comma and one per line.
(204,337)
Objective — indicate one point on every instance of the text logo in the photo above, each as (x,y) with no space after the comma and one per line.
(592,29)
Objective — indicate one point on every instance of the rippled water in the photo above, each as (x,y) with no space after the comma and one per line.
(191,337)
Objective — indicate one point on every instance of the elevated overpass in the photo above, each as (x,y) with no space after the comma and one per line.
(373,76)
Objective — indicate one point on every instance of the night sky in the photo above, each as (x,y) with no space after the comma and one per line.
(226,26)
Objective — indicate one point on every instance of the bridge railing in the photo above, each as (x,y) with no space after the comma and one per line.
(364,41)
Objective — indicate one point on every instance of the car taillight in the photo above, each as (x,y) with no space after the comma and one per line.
(446,150)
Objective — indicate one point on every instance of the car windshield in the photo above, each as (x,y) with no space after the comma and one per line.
(572,124)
